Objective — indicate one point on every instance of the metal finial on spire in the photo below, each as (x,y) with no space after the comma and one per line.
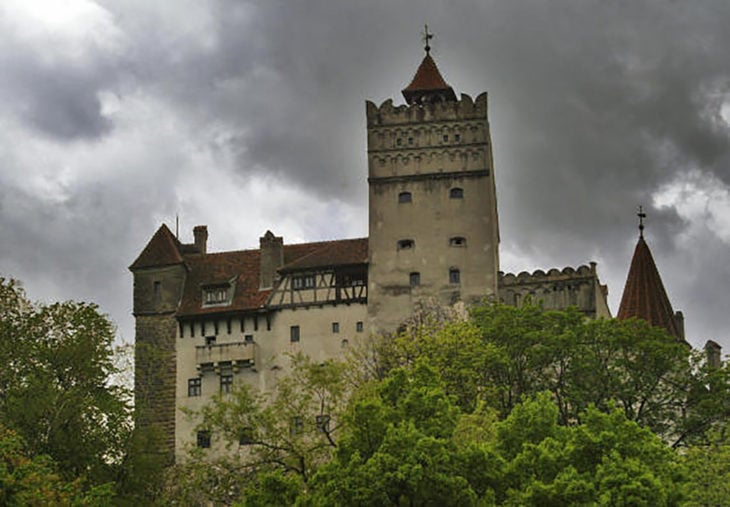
(641,216)
(426,37)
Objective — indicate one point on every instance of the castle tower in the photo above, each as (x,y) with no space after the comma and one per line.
(159,276)
(644,296)
(433,228)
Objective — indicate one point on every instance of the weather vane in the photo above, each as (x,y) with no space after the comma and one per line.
(641,216)
(426,37)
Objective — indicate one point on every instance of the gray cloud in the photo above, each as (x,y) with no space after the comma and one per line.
(594,106)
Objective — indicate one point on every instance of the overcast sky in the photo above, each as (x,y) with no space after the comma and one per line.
(246,116)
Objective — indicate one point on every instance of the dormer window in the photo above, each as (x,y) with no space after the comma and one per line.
(405,197)
(406,244)
(218,295)
(302,282)
(456,193)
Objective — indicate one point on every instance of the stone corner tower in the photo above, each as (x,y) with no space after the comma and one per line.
(433,225)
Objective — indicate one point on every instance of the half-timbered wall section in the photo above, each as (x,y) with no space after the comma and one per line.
(327,286)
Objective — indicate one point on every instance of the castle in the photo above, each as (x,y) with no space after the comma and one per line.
(206,321)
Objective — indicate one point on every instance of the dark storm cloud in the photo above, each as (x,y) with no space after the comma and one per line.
(595,107)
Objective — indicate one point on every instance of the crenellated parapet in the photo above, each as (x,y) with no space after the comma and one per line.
(388,114)
(557,289)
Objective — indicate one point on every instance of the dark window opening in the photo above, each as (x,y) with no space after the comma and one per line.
(446,138)
(405,197)
(192,330)
(415,279)
(457,241)
(345,343)
(358,326)
(248,338)
(210,340)
(195,386)
(243,324)
(410,140)
(296,425)
(203,439)
(303,282)
(323,423)
(398,141)
(457,137)
(294,334)
(454,276)
(335,327)
(157,288)
(226,382)
(245,437)
(406,244)
(456,193)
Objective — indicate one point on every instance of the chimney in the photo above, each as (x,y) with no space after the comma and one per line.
(272,258)
(200,232)
(714,353)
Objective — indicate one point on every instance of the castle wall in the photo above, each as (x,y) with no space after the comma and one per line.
(268,346)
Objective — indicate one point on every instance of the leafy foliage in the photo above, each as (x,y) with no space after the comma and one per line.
(53,388)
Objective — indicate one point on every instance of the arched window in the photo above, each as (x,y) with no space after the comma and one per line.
(404,197)
(457,241)
(456,193)
(454,276)
(406,244)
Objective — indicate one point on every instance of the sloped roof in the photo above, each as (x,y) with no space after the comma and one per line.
(162,250)
(332,253)
(644,296)
(242,269)
(427,81)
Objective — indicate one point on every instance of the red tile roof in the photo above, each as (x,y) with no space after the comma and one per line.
(644,296)
(162,250)
(427,79)
(242,269)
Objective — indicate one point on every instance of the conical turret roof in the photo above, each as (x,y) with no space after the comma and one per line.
(428,85)
(644,296)
(162,250)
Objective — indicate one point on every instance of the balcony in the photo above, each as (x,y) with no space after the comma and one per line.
(236,354)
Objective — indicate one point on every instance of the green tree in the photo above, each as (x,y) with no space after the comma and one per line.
(54,386)
(26,480)
(708,465)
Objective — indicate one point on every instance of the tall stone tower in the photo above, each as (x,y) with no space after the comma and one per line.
(433,230)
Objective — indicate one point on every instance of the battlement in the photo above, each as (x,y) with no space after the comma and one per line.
(464,109)
(552,275)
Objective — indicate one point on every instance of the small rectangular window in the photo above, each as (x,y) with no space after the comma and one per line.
(226,382)
(245,437)
(454,276)
(405,197)
(446,138)
(303,282)
(457,241)
(296,425)
(415,279)
(195,386)
(410,140)
(323,423)
(335,327)
(456,193)
(210,340)
(457,137)
(358,326)
(294,334)
(406,244)
(203,439)
(248,338)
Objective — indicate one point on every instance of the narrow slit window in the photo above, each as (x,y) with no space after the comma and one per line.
(457,241)
(294,335)
(359,326)
(203,439)
(335,327)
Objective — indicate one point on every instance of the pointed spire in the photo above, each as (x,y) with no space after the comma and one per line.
(428,85)
(644,296)
(162,250)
